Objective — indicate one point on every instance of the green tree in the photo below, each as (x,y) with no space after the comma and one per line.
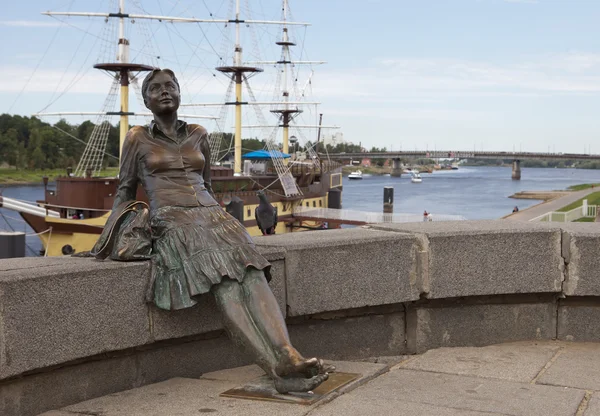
(37,159)
(21,160)
(9,146)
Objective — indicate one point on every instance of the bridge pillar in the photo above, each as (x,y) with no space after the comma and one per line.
(396,168)
(516,170)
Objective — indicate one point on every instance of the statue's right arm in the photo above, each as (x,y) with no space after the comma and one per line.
(128,171)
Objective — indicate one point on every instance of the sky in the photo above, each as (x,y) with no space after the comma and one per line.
(437,74)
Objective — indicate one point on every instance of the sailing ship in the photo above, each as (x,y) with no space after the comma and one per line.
(73,213)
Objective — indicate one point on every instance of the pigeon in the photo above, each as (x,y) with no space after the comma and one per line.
(266,215)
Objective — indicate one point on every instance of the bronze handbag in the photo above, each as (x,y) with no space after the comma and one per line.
(127,235)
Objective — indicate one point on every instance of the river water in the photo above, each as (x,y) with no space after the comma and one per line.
(473,192)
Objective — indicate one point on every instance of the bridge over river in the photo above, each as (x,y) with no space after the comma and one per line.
(443,154)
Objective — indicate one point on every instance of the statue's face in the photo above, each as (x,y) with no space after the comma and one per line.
(162,94)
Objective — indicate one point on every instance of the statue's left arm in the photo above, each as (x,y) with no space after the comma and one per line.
(128,170)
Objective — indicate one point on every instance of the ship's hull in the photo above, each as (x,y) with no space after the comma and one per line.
(93,198)
(63,236)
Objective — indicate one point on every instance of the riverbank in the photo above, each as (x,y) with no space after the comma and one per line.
(14,177)
(550,195)
(540,195)
(555,204)
(379,170)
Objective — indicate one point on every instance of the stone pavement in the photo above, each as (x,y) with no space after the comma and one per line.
(530,213)
(543,378)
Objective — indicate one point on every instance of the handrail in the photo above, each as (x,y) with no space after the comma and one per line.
(567,216)
(75,208)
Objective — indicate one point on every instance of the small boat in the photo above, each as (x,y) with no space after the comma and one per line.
(415,177)
(357,174)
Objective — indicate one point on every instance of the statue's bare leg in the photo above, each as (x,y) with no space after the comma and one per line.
(244,330)
(265,311)
(239,325)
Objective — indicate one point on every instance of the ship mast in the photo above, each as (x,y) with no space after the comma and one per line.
(237,71)
(123,72)
(286,113)
(122,68)
(288,110)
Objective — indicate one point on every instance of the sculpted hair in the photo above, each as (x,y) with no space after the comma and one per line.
(151,75)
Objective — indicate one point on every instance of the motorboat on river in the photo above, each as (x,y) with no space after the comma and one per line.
(357,174)
(415,176)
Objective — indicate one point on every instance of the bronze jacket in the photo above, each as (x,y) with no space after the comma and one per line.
(173,172)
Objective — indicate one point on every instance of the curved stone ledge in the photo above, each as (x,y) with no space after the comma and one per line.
(383,289)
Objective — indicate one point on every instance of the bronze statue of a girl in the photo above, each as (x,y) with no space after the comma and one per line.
(196,246)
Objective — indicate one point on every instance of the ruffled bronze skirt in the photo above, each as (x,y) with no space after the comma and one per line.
(193,249)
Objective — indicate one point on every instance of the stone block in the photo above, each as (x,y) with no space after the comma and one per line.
(581,243)
(37,393)
(521,361)
(478,325)
(593,408)
(471,258)
(58,311)
(579,321)
(576,366)
(349,268)
(351,338)
(407,392)
(189,359)
(201,318)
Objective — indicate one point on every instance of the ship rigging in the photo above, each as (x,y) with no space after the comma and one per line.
(82,191)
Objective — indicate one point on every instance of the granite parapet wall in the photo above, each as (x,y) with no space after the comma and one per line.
(382,289)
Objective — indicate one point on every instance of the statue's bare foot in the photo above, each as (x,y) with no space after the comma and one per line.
(308,367)
(298,384)
(325,367)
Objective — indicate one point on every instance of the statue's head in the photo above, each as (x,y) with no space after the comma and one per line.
(160,91)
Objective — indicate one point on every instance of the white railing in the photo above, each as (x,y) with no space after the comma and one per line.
(587,211)
(27,207)
(592,211)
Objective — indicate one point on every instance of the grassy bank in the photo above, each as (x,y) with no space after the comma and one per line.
(28,177)
(584,186)
(372,170)
(593,199)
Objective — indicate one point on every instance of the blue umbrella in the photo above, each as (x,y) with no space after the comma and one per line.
(264,154)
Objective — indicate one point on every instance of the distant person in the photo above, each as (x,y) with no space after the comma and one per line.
(515,209)
(425,216)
